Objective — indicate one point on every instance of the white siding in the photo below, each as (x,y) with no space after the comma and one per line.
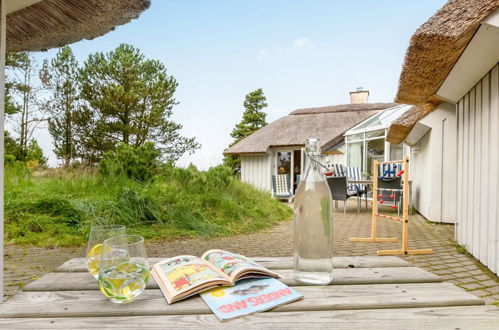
(434,167)
(339,158)
(256,170)
(478,170)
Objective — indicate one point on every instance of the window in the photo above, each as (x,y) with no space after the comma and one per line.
(375,151)
(364,148)
(355,152)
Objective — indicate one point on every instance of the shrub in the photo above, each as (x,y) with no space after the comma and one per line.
(58,208)
(9,159)
(138,163)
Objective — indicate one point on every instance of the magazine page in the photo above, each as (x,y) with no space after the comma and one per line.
(183,273)
(249,296)
(233,264)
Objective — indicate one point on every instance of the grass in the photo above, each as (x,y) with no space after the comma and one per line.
(59,207)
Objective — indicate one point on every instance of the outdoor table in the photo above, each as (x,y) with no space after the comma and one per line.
(367,182)
(366,293)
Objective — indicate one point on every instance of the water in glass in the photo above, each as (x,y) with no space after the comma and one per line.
(97,235)
(124,269)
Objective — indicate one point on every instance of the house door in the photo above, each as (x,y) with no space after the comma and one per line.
(289,162)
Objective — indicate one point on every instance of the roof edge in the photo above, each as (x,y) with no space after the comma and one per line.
(400,129)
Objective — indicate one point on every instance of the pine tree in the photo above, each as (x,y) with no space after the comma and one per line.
(59,77)
(129,99)
(253,119)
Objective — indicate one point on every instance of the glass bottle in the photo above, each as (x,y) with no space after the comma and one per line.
(313,222)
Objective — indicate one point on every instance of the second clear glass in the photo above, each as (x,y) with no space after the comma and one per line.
(124,271)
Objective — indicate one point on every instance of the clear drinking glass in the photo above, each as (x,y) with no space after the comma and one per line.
(313,227)
(97,236)
(124,270)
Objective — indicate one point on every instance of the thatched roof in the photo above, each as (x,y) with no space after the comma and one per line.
(54,23)
(401,127)
(326,123)
(436,47)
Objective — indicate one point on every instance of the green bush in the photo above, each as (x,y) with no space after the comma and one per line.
(138,163)
(9,159)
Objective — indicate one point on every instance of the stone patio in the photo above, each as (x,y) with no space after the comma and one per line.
(23,265)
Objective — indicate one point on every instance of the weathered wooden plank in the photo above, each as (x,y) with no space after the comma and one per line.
(78,264)
(316,298)
(472,317)
(341,276)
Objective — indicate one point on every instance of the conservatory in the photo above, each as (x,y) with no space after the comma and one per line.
(366,142)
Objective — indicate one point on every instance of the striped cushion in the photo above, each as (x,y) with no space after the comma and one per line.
(389,170)
(353,173)
(338,169)
(281,185)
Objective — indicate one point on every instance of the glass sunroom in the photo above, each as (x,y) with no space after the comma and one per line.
(366,142)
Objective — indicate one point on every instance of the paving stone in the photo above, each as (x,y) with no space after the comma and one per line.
(479,293)
(488,283)
(493,289)
(490,299)
(470,286)
(482,277)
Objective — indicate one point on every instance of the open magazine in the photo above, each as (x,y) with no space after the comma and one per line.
(184,276)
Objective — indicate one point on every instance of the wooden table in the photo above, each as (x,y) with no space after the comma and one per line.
(367,293)
(367,182)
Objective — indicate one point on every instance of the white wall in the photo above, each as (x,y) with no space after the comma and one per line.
(335,158)
(478,171)
(257,171)
(434,169)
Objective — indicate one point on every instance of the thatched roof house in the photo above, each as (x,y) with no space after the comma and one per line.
(433,52)
(451,75)
(278,147)
(401,127)
(436,47)
(326,123)
(39,25)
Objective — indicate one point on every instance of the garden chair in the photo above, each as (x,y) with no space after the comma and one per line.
(337,169)
(281,187)
(340,192)
(353,173)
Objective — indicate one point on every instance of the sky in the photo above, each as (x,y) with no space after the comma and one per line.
(302,53)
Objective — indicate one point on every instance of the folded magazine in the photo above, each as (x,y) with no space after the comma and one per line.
(249,296)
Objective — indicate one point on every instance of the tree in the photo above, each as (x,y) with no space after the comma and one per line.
(10,145)
(24,99)
(253,119)
(59,77)
(34,155)
(129,99)
(13,62)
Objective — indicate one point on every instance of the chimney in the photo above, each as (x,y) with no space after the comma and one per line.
(359,96)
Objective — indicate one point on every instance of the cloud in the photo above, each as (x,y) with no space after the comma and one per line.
(262,54)
(295,46)
(300,43)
